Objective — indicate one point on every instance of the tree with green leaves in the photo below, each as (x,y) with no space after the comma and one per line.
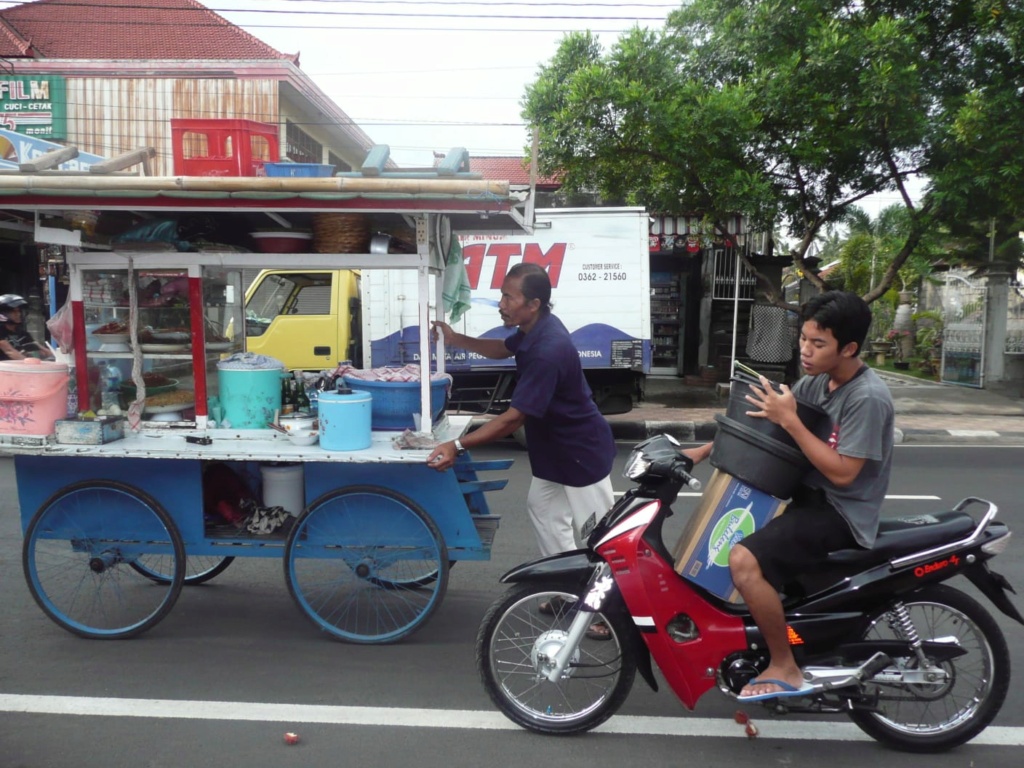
(872,244)
(794,112)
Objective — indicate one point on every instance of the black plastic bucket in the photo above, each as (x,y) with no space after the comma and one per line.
(739,387)
(755,458)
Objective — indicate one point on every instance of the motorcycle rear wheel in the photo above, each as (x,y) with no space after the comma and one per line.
(594,685)
(919,718)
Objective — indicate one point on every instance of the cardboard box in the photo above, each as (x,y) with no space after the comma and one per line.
(90,432)
(728,511)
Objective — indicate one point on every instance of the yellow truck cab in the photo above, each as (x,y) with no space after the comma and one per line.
(308,319)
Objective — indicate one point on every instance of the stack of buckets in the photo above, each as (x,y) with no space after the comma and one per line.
(33,396)
(758,451)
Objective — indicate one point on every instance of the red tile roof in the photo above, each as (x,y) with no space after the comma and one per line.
(125,29)
(515,169)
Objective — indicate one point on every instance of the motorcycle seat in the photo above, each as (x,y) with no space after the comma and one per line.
(904,535)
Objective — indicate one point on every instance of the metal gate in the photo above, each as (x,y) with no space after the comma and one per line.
(964,304)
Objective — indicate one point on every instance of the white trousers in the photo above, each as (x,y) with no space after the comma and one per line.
(558,512)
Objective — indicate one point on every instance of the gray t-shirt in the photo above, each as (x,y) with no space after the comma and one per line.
(861,416)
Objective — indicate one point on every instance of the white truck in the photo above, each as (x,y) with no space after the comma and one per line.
(598,261)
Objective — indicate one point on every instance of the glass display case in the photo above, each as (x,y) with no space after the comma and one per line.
(665,323)
(168,330)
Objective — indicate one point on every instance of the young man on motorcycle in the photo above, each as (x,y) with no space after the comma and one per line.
(16,343)
(838,505)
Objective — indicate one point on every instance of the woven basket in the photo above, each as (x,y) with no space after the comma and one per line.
(341,233)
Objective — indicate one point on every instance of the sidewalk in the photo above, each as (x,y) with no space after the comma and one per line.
(926,412)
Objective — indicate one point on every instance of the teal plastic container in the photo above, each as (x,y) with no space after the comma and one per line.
(345,420)
(249,398)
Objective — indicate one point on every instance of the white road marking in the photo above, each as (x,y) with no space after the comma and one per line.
(799,730)
(890,497)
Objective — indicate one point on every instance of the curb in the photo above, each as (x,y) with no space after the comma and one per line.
(685,431)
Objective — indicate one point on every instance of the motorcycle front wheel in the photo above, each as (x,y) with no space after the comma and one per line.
(530,623)
(938,716)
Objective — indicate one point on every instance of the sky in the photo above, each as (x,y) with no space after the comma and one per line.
(422,76)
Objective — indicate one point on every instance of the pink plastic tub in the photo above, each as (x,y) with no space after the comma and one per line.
(33,395)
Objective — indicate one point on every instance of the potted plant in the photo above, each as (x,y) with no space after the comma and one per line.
(902,347)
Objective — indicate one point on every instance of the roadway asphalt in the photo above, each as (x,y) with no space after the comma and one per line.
(926,412)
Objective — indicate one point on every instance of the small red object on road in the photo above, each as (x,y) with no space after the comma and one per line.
(291,738)
(752,731)
(741,717)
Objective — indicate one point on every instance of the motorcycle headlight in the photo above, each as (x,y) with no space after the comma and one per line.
(636,466)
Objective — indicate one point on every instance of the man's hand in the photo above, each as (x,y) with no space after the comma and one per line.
(698,454)
(778,407)
(437,326)
(443,456)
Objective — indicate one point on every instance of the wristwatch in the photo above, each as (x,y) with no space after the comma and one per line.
(459,450)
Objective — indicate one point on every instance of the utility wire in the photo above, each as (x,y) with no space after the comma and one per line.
(46,10)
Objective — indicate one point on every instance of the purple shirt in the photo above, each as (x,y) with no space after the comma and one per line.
(567,438)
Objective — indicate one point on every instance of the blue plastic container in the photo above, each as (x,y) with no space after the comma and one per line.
(345,420)
(249,398)
(304,170)
(395,402)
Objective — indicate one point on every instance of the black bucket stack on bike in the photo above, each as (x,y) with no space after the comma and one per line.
(758,451)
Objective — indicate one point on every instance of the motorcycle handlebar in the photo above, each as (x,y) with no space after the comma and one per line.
(687,479)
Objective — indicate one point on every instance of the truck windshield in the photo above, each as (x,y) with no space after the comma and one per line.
(295,293)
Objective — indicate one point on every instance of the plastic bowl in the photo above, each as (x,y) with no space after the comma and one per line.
(757,459)
(303,438)
(395,402)
(282,242)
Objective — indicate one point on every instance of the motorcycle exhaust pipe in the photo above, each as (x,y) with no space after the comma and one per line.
(847,678)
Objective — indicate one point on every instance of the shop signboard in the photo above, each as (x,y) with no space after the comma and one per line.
(34,105)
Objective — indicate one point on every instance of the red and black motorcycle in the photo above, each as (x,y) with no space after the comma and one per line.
(915,663)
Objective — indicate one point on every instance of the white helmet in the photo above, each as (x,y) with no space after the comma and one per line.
(11,301)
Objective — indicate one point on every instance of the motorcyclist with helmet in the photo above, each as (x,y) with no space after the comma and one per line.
(16,343)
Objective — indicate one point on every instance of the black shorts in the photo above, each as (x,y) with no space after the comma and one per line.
(799,540)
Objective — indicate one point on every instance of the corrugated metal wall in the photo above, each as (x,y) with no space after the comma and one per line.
(107,116)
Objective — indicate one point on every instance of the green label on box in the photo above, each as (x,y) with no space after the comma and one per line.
(733,526)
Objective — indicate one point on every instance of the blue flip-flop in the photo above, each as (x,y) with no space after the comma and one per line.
(787,690)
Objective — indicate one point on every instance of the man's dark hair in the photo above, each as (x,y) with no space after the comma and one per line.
(535,283)
(844,313)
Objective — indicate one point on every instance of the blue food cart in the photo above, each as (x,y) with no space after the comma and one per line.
(115,526)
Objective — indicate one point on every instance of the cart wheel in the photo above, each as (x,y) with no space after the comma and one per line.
(78,554)
(366,564)
(198,568)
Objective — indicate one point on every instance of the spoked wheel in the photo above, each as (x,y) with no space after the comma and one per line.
(518,632)
(198,568)
(366,564)
(79,552)
(963,700)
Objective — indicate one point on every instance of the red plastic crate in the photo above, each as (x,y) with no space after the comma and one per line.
(223,147)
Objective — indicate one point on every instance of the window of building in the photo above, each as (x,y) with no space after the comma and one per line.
(337,162)
(300,147)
